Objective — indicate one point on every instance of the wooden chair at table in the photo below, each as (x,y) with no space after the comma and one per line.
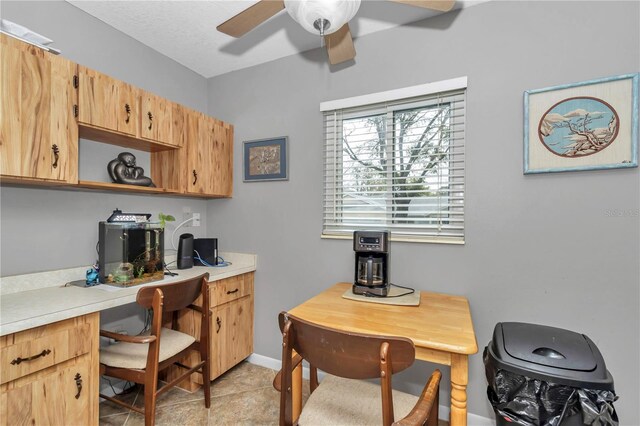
(345,356)
(140,358)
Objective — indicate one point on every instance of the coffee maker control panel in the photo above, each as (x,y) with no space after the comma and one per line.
(371,241)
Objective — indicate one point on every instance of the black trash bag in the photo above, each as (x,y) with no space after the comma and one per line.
(532,402)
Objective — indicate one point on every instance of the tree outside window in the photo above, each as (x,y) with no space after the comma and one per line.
(395,167)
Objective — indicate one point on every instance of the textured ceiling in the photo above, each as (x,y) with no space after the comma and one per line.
(186,30)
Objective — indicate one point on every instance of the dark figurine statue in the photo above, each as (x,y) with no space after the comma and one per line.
(124,170)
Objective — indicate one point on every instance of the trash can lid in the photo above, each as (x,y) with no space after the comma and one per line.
(547,353)
(548,346)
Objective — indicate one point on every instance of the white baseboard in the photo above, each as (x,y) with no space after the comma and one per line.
(275,364)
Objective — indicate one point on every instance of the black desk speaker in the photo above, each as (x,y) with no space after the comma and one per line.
(185,251)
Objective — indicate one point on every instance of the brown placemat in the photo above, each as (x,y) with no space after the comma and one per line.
(412,299)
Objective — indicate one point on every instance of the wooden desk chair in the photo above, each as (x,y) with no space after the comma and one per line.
(140,358)
(345,356)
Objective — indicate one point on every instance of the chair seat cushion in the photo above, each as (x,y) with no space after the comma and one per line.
(339,401)
(134,355)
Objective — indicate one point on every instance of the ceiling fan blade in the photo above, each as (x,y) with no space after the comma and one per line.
(440,5)
(340,45)
(251,17)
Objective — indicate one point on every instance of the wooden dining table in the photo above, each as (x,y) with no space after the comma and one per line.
(440,328)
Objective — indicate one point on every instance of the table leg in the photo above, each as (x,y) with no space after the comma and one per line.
(459,380)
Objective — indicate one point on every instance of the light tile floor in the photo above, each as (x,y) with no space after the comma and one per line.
(242,396)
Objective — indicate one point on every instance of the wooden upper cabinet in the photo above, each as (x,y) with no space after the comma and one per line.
(198,154)
(48,102)
(107,103)
(38,132)
(209,156)
(156,119)
(222,158)
(167,166)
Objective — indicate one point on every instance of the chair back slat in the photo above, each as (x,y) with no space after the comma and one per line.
(177,295)
(350,355)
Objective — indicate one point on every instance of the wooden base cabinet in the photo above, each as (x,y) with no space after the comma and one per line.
(232,326)
(231,329)
(50,374)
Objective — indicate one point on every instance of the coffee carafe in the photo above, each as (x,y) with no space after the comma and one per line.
(372,263)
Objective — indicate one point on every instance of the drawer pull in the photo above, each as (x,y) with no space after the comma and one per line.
(218,325)
(150,120)
(78,380)
(195,176)
(232,291)
(127,109)
(31,358)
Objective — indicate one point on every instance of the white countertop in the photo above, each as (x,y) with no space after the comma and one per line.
(53,302)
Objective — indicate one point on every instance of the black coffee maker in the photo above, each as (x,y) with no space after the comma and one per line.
(372,263)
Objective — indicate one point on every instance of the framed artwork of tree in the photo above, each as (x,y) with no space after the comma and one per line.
(582,126)
(266,159)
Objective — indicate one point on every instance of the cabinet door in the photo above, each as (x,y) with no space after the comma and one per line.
(198,153)
(221,179)
(168,168)
(156,121)
(107,103)
(38,133)
(61,398)
(231,334)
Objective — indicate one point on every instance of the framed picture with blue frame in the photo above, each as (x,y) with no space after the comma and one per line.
(589,125)
(266,160)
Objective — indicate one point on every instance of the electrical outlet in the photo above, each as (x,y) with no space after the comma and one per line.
(196,219)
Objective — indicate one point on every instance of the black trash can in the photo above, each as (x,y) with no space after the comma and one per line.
(541,375)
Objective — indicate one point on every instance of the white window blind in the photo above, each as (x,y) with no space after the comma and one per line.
(397,165)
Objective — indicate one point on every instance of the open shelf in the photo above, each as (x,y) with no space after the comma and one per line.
(124,188)
(126,141)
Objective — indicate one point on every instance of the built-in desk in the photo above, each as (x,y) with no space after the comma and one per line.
(49,337)
(45,299)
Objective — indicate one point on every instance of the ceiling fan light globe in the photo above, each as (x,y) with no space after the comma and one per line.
(336,12)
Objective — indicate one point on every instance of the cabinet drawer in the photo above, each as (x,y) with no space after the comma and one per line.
(64,397)
(229,289)
(26,357)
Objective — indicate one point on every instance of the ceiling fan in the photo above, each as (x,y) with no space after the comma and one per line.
(326,18)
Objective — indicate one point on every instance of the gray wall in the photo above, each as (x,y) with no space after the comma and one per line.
(44,229)
(539,248)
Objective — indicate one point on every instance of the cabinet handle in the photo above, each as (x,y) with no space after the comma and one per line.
(150,119)
(56,155)
(127,109)
(232,291)
(195,176)
(31,358)
(218,325)
(78,380)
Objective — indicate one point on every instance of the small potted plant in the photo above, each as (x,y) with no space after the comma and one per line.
(164,218)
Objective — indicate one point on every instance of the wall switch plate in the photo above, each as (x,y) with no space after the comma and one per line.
(196,219)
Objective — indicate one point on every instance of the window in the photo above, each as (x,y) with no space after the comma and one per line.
(397,163)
